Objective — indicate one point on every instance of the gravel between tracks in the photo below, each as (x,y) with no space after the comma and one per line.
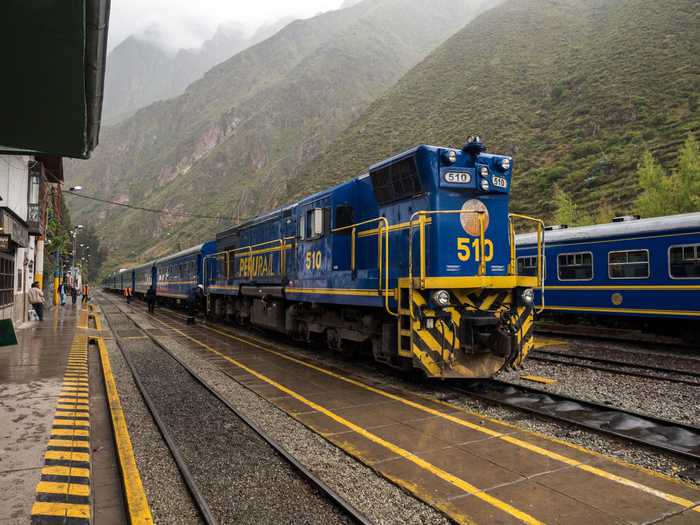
(666,399)
(167,495)
(241,477)
(381,501)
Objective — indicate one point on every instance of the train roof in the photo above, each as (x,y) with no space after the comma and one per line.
(627,228)
(183,253)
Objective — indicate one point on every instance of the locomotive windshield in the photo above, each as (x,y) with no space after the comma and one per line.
(397,181)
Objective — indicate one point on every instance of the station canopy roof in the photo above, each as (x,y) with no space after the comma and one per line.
(52,76)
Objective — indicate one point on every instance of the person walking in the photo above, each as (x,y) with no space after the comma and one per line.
(151,299)
(128,294)
(36,299)
(73,294)
(86,293)
(195,299)
(62,290)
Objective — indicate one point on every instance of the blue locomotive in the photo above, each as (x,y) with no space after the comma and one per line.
(414,259)
(632,272)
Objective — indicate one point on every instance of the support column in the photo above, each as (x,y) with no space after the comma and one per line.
(39,262)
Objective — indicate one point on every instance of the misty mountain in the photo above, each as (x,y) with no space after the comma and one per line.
(231,141)
(139,71)
(575,90)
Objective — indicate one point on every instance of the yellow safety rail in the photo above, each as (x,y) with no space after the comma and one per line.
(541,263)
(382,267)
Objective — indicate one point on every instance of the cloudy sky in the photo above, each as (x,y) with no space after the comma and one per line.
(187,23)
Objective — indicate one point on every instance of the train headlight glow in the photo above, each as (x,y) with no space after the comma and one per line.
(505,164)
(452,156)
(441,298)
(485,184)
(484,171)
(527,296)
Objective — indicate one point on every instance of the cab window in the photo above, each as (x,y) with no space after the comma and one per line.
(575,266)
(684,261)
(633,264)
(527,265)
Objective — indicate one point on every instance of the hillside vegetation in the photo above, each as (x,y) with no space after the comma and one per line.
(575,90)
(229,144)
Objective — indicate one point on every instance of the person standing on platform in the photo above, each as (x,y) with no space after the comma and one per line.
(86,293)
(128,294)
(62,290)
(73,293)
(151,299)
(36,299)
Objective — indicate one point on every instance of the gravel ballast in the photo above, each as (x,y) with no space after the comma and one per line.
(240,476)
(169,499)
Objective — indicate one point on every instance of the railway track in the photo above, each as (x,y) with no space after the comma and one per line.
(674,375)
(667,436)
(249,438)
(612,334)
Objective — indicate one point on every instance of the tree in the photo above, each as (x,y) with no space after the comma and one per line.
(567,211)
(664,194)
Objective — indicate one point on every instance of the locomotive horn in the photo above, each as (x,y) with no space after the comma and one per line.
(474,146)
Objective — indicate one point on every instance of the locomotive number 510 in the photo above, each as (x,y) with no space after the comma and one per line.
(465,246)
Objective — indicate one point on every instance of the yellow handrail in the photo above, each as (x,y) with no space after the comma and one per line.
(540,252)
(385,268)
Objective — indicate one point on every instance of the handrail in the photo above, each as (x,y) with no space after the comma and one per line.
(541,262)
(353,228)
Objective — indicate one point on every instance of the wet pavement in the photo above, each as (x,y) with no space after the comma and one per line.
(31,376)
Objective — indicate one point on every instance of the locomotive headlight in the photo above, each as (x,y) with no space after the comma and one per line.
(484,171)
(505,164)
(527,296)
(485,184)
(452,156)
(441,298)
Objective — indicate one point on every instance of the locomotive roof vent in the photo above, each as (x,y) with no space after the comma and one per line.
(556,227)
(626,218)
(474,146)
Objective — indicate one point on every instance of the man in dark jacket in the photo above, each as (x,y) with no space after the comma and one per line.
(151,299)
(73,293)
(195,300)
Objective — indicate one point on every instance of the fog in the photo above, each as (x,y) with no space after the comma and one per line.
(176,24)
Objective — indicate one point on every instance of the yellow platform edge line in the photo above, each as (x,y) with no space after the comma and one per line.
(401,452)
(523,444)
(136,501)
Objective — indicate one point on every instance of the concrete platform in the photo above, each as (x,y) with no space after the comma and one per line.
(475,469)
(54,427)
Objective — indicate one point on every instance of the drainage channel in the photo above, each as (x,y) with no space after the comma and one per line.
(668,436)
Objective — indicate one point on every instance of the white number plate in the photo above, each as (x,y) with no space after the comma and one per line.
(500,182)
(458,178)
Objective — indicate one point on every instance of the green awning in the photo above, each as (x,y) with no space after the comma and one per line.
(52,75)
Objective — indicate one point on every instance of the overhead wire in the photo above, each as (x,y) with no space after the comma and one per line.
(150,210)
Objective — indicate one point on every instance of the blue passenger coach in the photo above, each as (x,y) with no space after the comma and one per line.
(415,258)
(637,271)
(177,274)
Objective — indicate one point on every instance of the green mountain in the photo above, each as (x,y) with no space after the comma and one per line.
(575,90)
(139,71)
(229,144)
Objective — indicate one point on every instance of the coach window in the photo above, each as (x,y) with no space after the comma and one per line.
(633,264)
(527,265)
(575,266)
(684,261)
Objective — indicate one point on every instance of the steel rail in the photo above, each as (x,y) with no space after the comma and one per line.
(323,487)
(568,359)
(611,334)
(671,437)
(199,499)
